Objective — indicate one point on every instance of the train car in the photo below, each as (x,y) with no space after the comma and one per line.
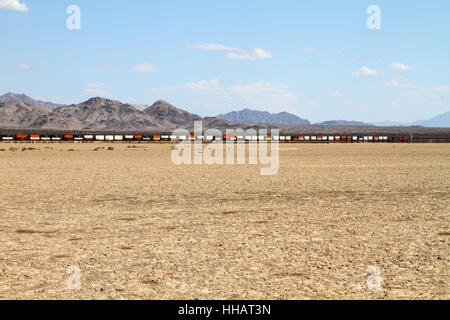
(78,138)
(109,138)
(370,138)
(35,137)
(301,138)
(100,137)
(366,139)
(68,137)
(88,137)
(288,138)
(282,138)
(7,138)
(191,138)
(137,137)
(56,138)
(307,138)
(330,138)
(156,138)
(45,138)
(313,138)
(21,137)
(276,138)
(118,138)
(173,138)
(128,137)
(182,138)
(209,138)
(147,138)
(165,138)
(337,138)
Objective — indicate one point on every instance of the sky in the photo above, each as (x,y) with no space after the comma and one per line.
(321,60)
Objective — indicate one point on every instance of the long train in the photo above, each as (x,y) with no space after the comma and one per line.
(171,138)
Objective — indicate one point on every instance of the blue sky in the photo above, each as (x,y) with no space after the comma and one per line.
(316,59)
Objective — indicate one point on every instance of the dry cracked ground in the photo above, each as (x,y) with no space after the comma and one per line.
(140,227)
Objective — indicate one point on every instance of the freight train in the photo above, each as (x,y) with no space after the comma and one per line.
(168,138)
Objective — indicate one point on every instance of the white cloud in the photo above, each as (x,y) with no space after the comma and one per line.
(144,67)
(257,53)
(402,67)
(211,94)
(365,71)
(13,5)
(98,88)
(212,47)
(23,65)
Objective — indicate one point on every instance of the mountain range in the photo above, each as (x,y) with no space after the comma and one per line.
(248,116)
(21,111)
(96,114)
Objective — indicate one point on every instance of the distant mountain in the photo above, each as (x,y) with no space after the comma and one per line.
(344,123)
(7,97)
(442,121)
(248,116)
(389,123)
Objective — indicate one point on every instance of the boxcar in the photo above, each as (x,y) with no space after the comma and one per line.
(7,138)
(21,137)
(109,138)
(35,137)
(100,138)
(55,138)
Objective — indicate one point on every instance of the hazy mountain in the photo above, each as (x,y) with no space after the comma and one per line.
(248,116)
(7,97)
(442,121)
(389,123)
(344,123)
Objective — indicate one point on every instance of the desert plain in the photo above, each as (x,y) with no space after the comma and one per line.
(140,227)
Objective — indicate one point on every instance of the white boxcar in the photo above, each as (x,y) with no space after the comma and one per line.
(366,138)
(109,138)
(173,138)
(355,138)
(209,138)
(129,137)
(331,138)
(45,138)
(182,138)
(288,138)
(313,138)
(254,138)
(88,137)
(307,138)
(78,138)
(276,138)
(283,138)
(370,138)
(100,138)
(118,138)
(7,138)
(56,138)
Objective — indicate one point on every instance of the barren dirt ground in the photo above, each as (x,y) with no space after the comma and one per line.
(140,227)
